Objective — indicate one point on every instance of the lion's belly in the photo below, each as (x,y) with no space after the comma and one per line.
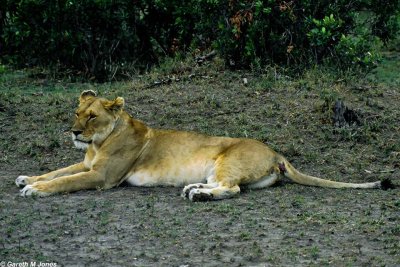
(161,175)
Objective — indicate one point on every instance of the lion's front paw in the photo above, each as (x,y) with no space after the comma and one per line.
(22,180)
(33,189)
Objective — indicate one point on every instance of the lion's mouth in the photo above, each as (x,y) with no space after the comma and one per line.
(80,144)
(83,141)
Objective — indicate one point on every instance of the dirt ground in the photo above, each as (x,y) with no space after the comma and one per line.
(285,225)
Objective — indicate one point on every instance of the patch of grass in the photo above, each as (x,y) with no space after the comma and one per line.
(292,115)
(244,236)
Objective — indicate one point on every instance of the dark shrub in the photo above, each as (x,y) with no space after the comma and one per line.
(96,36)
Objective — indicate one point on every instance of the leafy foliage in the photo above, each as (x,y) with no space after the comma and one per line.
(97,37)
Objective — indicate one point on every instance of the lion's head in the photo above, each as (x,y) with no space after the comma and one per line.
(95,119)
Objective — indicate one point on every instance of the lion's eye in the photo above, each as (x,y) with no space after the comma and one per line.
(92,117)
(76,114)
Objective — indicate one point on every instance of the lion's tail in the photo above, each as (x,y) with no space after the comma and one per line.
(304,179)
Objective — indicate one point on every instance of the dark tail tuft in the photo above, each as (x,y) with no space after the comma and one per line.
(387,184)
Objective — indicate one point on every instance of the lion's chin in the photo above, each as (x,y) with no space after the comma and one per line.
(81,145)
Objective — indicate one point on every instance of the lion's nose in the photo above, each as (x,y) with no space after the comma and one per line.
(76,133)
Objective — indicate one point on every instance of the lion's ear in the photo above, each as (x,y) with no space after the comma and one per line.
(115,105)
(87,94)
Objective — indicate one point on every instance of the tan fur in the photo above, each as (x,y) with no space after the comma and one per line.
(120,148)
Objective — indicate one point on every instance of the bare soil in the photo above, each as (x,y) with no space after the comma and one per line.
(285,225)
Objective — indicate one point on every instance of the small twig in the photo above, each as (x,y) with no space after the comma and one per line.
(385,171)
(159,83)
(200,60)
(225,113)
(115,72)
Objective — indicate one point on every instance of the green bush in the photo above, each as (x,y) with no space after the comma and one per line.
(97,37)
(88,36)
(303,33)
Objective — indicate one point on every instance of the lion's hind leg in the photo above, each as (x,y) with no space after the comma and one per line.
(264,182)
(187,189)
(207,192)
(244,163)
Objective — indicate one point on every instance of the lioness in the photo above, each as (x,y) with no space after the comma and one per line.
(120,148)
